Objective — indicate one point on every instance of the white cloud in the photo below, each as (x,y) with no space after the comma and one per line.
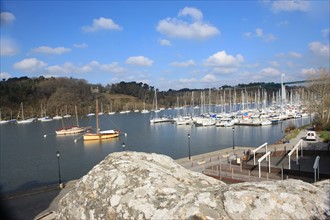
(4,75)
(197,29)
(290,64)
(259,33)
(293,5)
(30,65)
(139,61)
(269,71)
(70,68)
(102,24)
(294,55)
(273,63)
(319,49)
(50,50)
(8,47)
(184,64)
(209,78)
(83,45)
(222,61)
(193,12)
(164,42)
(309,72)
(6,18)
(112,67)
(268,74)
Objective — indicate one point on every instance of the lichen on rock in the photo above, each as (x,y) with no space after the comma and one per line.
(132,185)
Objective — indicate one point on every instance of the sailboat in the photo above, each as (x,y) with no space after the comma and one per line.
(23,120)
(43,116)
(72,129)
(100,135)
(144,111)
(157,119)
(66,112)
(110,109)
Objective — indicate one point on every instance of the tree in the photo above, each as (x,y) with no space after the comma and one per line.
(319,97)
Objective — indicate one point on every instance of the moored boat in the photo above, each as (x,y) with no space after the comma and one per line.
(75,129)
(23,120)
(71,130)
(100,135)
(106,134)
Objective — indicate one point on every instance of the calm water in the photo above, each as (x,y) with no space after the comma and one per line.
(28,159)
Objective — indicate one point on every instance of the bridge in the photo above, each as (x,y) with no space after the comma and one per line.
(299,82)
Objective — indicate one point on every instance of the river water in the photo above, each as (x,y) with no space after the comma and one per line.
(28,158)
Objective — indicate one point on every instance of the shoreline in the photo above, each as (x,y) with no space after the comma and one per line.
(51,194)
(226,151)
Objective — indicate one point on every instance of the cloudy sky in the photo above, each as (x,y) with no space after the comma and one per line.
(166,44)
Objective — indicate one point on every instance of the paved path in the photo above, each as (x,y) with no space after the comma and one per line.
(213,159)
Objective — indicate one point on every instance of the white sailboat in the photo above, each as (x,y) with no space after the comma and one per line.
(66,112)
(43,116)
(110,110)
(74,129)
(23,120)
(57,117)
(90,113)
(144,111)
(156,118)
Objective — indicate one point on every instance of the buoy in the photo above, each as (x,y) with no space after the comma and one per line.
(125,134)
(45,135)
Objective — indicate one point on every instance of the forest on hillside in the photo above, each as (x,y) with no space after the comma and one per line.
(57,95)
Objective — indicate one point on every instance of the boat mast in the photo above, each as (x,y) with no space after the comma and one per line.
(75,109)
(22,111)
(97,115)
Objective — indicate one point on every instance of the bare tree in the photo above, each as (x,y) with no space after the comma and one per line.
(319,96)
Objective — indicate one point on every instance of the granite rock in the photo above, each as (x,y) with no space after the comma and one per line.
(132,185)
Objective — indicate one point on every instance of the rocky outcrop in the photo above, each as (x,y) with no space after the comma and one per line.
(131,185)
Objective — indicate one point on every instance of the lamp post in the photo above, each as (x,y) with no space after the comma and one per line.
(189,145)
(233,138)
(59,169)
(123,146)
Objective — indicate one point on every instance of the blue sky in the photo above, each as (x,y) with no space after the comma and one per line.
(166,44)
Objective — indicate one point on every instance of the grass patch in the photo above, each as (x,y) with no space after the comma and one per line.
(325,135)
(292,134)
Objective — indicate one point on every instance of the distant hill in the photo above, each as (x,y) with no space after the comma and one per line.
(55,95)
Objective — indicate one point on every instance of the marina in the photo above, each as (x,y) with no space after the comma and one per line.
(30,160)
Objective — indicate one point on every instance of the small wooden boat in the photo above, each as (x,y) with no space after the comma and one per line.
(100,135)
(107,134)
(71,130)
(75,129)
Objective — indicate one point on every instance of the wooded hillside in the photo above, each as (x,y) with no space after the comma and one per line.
(55,95)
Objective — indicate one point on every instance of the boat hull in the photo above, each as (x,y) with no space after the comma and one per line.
(101,136)
(72,130)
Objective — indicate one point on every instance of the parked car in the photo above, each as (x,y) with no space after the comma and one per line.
(311,135)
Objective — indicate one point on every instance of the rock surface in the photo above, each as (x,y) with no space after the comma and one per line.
(131,185)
